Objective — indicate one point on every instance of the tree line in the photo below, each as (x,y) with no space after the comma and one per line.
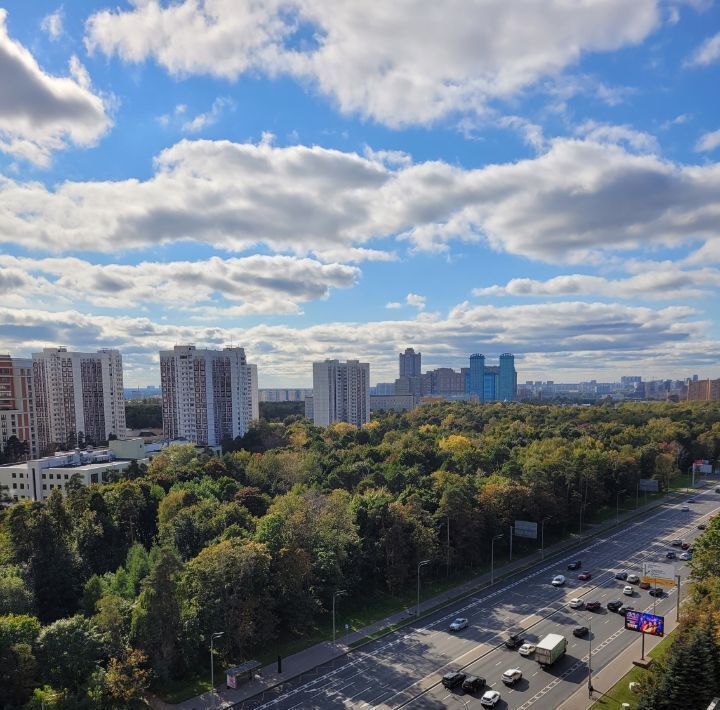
(140,572)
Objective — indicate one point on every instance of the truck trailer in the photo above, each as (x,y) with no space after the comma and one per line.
(552,647)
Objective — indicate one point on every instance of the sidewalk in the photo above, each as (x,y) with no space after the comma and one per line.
(305,661)
(606,678)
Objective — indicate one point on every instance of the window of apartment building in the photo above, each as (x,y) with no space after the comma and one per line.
(67,476)
(44,486)
(44,476)
(14,485)
(14,475)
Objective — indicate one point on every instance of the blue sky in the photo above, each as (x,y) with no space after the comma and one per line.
(317,178)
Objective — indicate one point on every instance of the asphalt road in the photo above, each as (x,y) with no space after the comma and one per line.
(404,668)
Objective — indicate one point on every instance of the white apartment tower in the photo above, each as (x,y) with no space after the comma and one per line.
(17,408)
(341,392)
(77,393)
(207,394)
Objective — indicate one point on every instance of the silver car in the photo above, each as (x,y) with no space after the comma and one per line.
(459,624)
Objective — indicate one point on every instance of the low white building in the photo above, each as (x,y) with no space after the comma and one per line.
(38,478)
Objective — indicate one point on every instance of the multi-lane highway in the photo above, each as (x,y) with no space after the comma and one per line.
(404,669)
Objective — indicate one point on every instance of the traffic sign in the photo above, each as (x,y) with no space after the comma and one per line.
(659,573)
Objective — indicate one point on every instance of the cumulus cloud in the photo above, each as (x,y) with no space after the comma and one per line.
(404,62)
(579,199)
(708,141)
(211,117)
(52,24)
(707,53)
(39,113)
(571,335)
(252,285)
(663,282)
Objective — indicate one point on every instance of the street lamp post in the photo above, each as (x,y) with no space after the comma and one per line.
(617,506)
(335,594)
(213,636)
(422,563)
(492,558)
(542,536)
(589,623)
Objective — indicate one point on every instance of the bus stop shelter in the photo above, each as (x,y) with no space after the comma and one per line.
(243,673)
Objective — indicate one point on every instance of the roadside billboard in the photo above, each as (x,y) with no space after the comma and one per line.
(645,623)
(524,528)
(648,484)
(659,573)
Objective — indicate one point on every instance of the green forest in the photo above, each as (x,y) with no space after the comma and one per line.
(133,577)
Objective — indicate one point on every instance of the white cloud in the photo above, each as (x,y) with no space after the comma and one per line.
(564,336)
(576,201)
(416,301)
(203,120)
(708,141)
(251,285)
(52,24)
(404,62)
(707,53)
(394,305)
(39,113)
(618,135)
(664,282)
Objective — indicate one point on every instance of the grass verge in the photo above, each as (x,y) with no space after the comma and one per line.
(620,693)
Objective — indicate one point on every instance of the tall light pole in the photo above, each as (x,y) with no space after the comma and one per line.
(336,593)
(422,563)
(492,558)
(589,623)
(617,506)
(542,536)
(213,636)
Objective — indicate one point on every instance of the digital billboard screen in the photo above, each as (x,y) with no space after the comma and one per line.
(647,623)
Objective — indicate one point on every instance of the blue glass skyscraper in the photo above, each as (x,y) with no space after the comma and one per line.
(477,375)
(507,379)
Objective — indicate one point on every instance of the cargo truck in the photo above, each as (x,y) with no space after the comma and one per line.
(552,647)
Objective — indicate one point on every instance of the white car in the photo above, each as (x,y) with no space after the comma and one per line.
(558,580)
(459,624)
(527,649)
(490,699)
(628,591)
(511,676)
(685,509)
(633,579)
(577,603)
(685,556)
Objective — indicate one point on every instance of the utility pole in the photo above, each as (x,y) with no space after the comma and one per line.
(447,561)
(213,636)
(677,611)
(335,594)
(511,540)
(542,536)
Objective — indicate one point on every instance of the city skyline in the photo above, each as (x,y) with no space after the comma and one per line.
(275,184)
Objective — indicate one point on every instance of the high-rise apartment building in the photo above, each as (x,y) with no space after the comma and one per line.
(410,363)
(341,392)
(507,379)
(477,376)
(17,408)
(77,393)
(207,395)
(703,390)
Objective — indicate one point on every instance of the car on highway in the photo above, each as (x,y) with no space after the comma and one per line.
(576,603)
(658,592)
(621,575)
(490,699)
(691,500)
(453,678)
(459,624)
(580,631)
(473,683)
(511,676)
(593,606)
(685,556)
(575,565)
(584,576)
(685,545)
(644,585)
(514,642)
(628,591)
(625,609)
(614,604)
(717,490)
(670,555)
(633,578)
(702,526)
(676,543)
(685,509)
(527,649)
(558,580)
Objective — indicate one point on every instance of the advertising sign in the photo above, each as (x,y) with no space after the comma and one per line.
(646,623)
(659,573)
(648,484)
(524,528)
